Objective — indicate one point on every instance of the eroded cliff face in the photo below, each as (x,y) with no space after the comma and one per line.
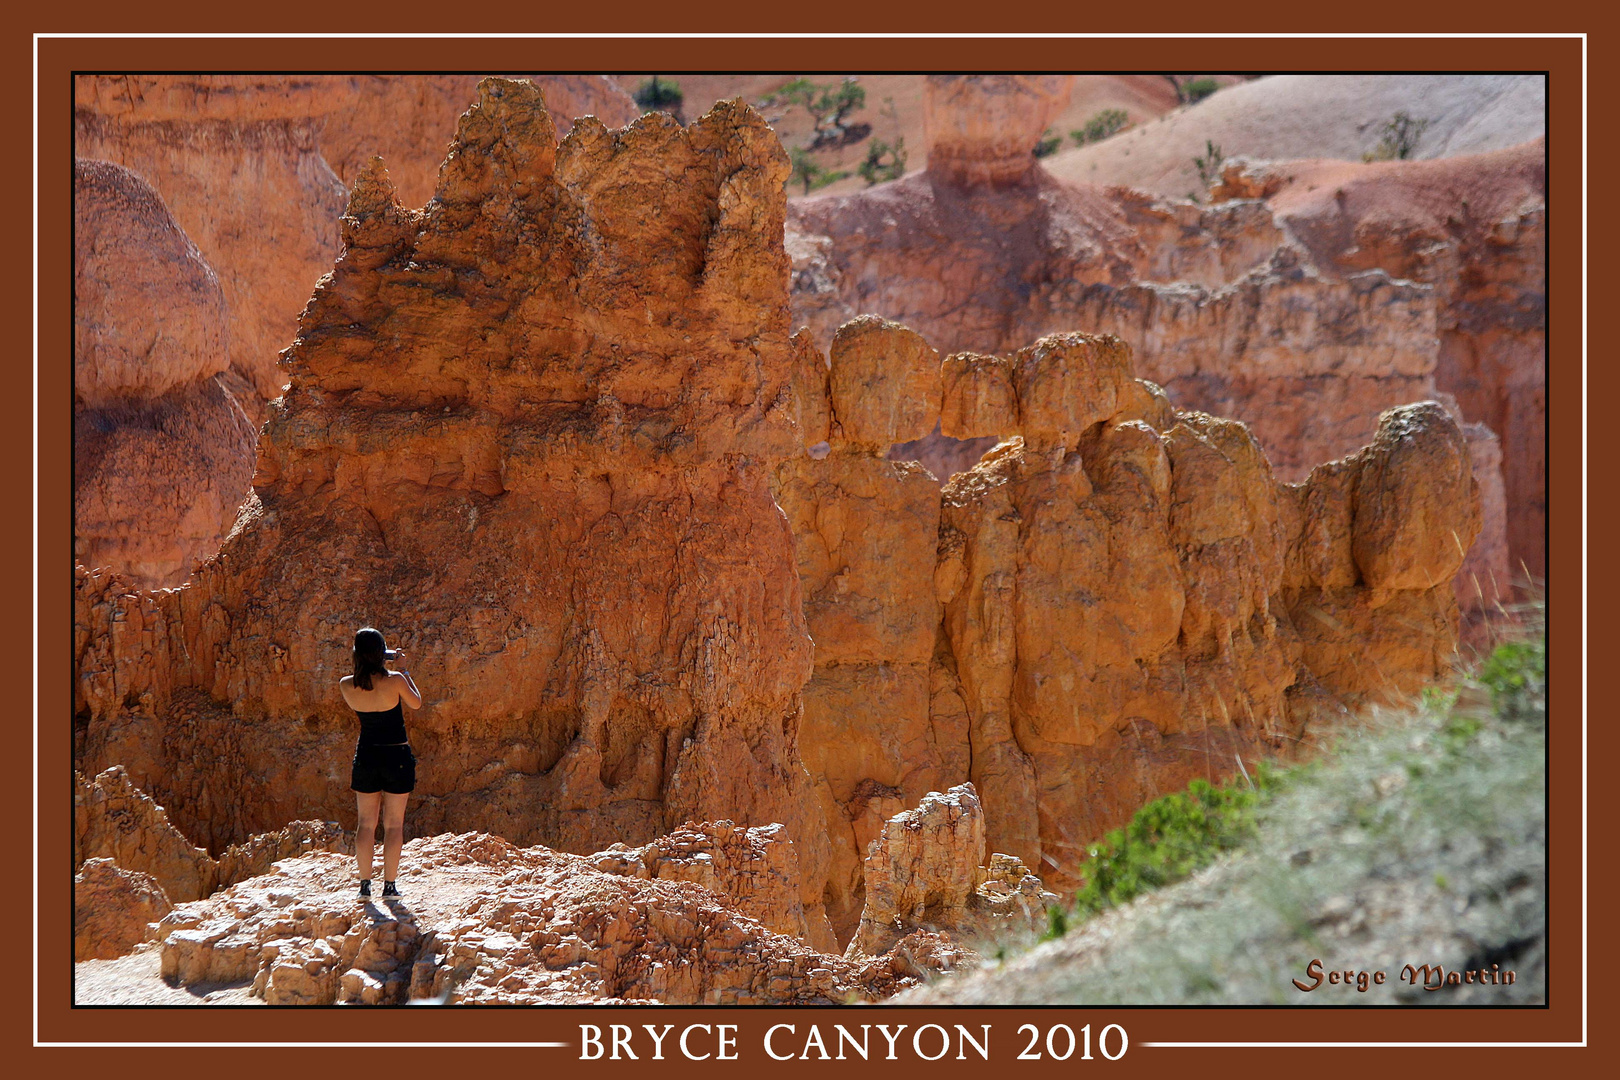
(162,452)
(529,434)
(115,821)
(1244,330)
(1305,316)
(1127,597)
(1473,229)
(865,531)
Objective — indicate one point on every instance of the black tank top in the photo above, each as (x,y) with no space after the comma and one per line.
(382,728)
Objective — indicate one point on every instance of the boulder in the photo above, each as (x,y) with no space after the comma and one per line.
(162,452)
(924,872)
(113,909)
(236,159)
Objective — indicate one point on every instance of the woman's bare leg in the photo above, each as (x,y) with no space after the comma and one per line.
(365,829)
(393,819)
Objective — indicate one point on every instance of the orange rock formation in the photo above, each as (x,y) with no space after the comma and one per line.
(980,128)
(113,819)
(865,530)
(237,160)
(756,870)
(162,453)
(113,909)
(117,821)
(1473,229)
(926,870)
(1128,599)
(246,163)
(529,432)
(409,120)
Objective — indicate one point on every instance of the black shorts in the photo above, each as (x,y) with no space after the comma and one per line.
(383,768)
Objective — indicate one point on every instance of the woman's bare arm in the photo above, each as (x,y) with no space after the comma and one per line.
(408,693)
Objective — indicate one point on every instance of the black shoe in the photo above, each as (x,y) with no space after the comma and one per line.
(389,889)
(365,887)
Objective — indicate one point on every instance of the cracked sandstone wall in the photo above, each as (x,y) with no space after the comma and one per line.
(1473,229)
(865,530)
(529,433)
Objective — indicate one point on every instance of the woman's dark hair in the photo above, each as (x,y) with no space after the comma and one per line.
(370,656)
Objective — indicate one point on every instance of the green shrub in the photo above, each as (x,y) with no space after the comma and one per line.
(1173,836)
(1516,675)
(1399,139)
(1100,126)
(1048,144)
(1192,90)
(1199,89)
(654,95)
(875,169)
(807,172)
(829,104)
(1209,164)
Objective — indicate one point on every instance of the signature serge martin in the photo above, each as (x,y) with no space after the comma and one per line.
(1428,976)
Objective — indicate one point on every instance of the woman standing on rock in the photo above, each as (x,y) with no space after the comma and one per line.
(384,767)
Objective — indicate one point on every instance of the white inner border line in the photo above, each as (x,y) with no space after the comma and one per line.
(1003,36)
(822,36)
(1337,1045)
(389,1045)
(1299,1045)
